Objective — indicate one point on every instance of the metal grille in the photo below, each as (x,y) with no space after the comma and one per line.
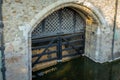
(37,30)
(79,24)
(63,21)
(52,23)
(67,21)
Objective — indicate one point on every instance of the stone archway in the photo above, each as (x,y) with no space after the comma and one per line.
(94,19)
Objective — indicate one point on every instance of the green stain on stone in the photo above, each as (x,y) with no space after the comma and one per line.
(116,35)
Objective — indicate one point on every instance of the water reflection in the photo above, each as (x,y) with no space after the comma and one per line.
(84,69)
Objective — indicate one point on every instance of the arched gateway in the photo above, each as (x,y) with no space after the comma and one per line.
(65,29)
(60,35)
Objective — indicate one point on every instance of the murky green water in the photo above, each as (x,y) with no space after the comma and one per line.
(84,69)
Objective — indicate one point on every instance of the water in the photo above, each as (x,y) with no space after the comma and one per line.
(83,68)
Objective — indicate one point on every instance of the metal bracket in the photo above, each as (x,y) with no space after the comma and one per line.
(2,48)
(59,61)
(3,69)
(1,25)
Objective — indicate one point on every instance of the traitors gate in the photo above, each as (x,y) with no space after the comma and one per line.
(52,31)
(60,35)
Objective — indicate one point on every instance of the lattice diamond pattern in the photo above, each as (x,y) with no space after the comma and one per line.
(67,20)
(79,23)
(52,23)
(37,30)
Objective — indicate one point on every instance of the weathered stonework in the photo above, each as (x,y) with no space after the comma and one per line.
(20,17)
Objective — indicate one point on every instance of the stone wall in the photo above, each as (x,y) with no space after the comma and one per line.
(107,9)
(18,13)
(18,16)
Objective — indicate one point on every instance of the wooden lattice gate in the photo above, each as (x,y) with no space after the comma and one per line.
(60,35)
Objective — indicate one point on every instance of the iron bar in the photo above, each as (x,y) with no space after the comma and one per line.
(113,40)
(114,29)
(39,47)
(42,39)
(74,21)
(76,47)
(73,35)
(59,48)
(60,20)
(46,60)
(3,69)
(43,25)
(70,55)
(64,43)
(36,55)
